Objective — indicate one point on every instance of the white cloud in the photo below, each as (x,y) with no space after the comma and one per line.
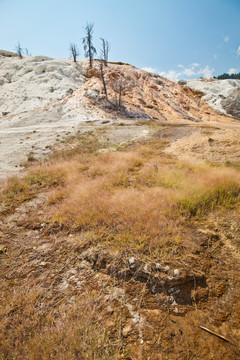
(189,72)
(238,51)
(206,72)
(232,71)
(226,39)
(194,65)
(192,70)
(171,74)
(149,69)
(215,56)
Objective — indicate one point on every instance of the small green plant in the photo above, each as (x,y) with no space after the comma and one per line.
(197,204)
(30,157)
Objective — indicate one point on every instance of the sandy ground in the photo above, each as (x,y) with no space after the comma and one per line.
(216,143)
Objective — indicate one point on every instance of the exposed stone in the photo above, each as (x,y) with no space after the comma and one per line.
(182,82)
(131,260)
(232,104)
(176,272)
(92,93)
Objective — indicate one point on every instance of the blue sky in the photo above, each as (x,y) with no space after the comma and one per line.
(177,38)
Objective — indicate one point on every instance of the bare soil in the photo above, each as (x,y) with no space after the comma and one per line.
(154,307)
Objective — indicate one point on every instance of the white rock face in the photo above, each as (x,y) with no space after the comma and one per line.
(41,103)
(215,90)
(32,82)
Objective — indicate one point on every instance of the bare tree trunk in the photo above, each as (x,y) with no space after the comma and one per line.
(74,51)
(88,45)
(90,53)
(120,96)
(103,80)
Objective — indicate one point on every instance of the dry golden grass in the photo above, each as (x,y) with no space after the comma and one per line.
(69,332)
(136,198)
(16,190)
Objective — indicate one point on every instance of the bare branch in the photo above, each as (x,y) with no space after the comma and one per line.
(216,334)
(119,86)
(74,52)
(19,50)
(26,52)
(105,50)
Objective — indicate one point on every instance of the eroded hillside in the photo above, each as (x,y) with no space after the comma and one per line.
(45,100)
(222,95)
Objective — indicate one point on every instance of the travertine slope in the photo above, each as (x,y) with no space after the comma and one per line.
(222,95)
(42,100)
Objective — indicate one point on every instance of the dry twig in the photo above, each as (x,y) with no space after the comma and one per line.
(218,335)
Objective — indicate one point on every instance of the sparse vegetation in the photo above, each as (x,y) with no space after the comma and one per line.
(75,334)
(18,190)
(135,201)
(128,195)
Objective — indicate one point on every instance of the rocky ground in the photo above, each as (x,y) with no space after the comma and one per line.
(65,295)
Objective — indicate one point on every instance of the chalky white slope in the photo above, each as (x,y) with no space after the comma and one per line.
(215,90)
(38,106)
(31,82)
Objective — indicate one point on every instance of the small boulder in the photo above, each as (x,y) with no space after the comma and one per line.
(182,82)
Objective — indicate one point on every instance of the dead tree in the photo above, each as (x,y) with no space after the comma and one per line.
(74,52)
(119,86)
(89,49)
(105,51)
(26,52)
(19,50)
(103,78)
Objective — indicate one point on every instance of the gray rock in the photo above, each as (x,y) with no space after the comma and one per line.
(92,93)
(232,104)
(182,82)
